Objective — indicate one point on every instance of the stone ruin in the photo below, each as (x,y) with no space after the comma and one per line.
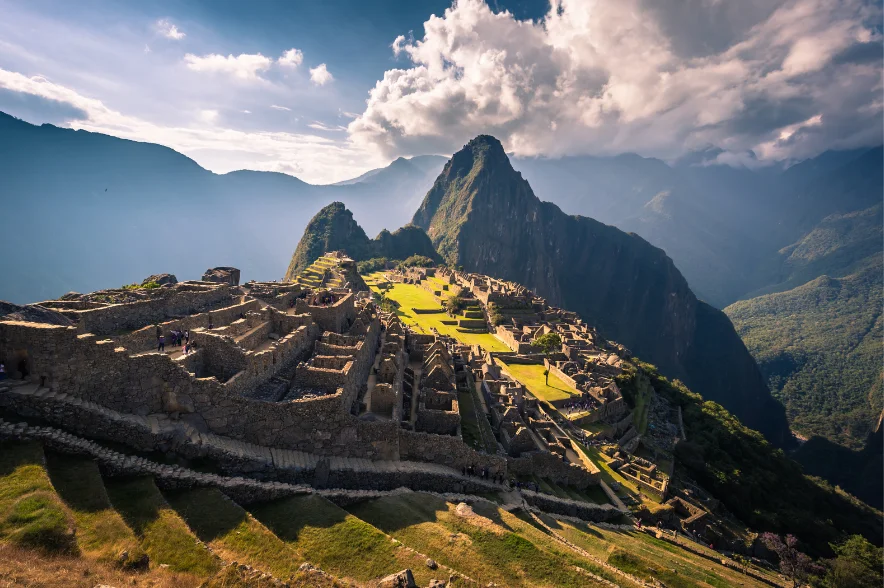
(275,381)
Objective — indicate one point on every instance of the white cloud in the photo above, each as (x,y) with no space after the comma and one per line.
(277,107)
(609,76)
(208,116)
(291,58)
(323,127)
(247,112)
(320,75)
(169,30)
(244,66)
(320,159)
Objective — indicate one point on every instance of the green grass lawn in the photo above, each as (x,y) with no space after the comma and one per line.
(101,531)
(336,541)
(533,379)
(31,513)
(165,537)
(410,296)
(492,547)
(233,533)
(649,558)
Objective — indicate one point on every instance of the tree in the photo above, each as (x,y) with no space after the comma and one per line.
(548,343)
(857,564)
(794,564)
(454,304)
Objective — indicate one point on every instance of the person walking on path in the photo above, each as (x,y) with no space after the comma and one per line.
(2,372)
(161,343)
(187,336)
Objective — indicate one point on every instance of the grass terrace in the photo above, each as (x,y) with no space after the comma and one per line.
(409,297)
(533,379)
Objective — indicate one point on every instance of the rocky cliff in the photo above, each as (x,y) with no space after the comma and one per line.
(482,215)
(334,229)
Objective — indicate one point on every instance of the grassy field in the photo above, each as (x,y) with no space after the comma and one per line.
(233,533)
(533,379)
(164,536)
(494,546)
(409,296)
(101,531)
(31,513)
(338,542)
(649,558)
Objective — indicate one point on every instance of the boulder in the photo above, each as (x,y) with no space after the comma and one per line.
(222,275)
(32,313)
(161,279)
(403,579)
(432,564)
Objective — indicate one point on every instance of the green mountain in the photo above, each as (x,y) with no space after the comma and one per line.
(482,215)
(820,346)
(334,229)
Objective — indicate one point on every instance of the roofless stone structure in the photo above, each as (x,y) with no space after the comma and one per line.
(304,382)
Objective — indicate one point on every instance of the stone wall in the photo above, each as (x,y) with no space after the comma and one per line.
(134,315)
(551,467)
(446,450)
(335,317)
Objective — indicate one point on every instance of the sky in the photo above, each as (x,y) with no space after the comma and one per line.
(328,90)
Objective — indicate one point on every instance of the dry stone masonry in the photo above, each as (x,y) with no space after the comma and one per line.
(283,386)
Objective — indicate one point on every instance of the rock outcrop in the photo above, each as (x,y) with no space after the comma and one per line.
(161,279)
(482,215)
(222,275)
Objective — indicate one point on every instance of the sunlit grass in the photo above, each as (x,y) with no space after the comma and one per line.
(533,379)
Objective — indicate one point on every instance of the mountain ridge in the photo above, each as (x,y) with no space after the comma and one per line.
(482,215)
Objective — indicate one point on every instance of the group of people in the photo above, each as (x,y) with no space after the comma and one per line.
(581,405)
(179,339)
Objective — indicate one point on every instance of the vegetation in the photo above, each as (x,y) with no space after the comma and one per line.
(31,513)
(334,229)
(101,531)
(548,343)
(490,545)
(857,564)
(408,297)
(820,348)
(136,286)
(794,564)
(232,533)
(335,540)
(454,304)
(754,480)
(532,376)
(164,536)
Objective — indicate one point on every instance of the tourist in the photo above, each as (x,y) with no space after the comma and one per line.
(187,336)
(161,343)
(2,371)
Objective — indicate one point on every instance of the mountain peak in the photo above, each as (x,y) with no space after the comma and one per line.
(334,229)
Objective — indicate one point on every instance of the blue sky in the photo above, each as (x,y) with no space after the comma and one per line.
(327,90)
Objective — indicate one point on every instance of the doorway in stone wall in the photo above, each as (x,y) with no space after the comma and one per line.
(20,366)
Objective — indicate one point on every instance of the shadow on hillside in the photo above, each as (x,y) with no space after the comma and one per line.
(78,482)
(206,511)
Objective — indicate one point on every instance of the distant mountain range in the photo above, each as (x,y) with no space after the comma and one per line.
(85,211)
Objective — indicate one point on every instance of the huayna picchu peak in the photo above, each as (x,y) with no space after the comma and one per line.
(334,228)
(483,216)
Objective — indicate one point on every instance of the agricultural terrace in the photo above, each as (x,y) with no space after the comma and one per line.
(533,379)
(408,297)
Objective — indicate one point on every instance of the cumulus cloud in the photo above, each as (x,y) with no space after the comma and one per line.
(244,66)
(291,58)
(169,30)
(316,159)
(777,80)
(320,75)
